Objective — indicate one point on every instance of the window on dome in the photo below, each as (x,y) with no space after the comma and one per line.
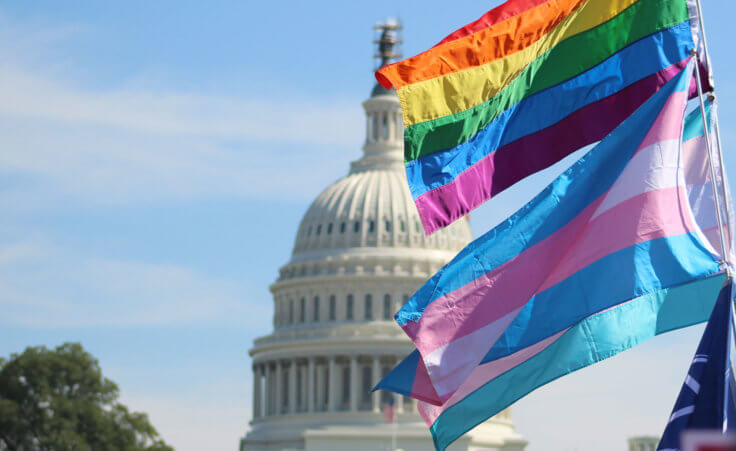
(329,228)
(417,227)
(349,307)
(319,229)
(309,231)
(315,318)
(342,227)
(356,227)
(402,225)
(387,307)
(388,225)
(368,307)
(333,308)
(371,226)
(291,311)
(302,309)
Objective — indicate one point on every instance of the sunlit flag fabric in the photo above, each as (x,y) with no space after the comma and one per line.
(524,86)
(608,255)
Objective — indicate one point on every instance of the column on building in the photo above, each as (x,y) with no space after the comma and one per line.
(398,399)
(320,382)
(256,391)
(267,390)
(278,391)
(331,385)
(292,387)
(354,393)
(376,376)
(310,384)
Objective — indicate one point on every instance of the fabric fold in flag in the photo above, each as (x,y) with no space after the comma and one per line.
(497,100)
(410,377)
(531,289)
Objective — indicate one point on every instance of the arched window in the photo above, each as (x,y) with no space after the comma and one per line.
(387,307)
(356,227)
(309,231)
(333,308)
(319,229)
(349,307)
(371,226)
(402,225)
(342,227)
(302,309)
(329,228)
(388,225)
(315,318)
(368,307)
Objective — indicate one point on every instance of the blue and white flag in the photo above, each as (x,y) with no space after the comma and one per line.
(706,400)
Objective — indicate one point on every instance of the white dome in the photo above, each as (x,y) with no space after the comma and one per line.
(372,208)
(359,253)
(368,218)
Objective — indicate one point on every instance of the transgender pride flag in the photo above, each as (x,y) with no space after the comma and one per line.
(611,253)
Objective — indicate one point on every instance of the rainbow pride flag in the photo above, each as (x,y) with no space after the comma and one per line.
(619,248)
(524,86)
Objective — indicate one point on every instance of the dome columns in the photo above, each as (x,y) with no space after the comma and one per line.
(317,384)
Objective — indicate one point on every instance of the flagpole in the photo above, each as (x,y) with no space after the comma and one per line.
(706,134)
(716,127)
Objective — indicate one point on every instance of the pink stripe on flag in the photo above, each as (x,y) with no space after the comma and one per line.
(485,373)
(668,125)
(642,218)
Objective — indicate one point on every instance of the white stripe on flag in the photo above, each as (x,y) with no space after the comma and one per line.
(682,412)
(693,384)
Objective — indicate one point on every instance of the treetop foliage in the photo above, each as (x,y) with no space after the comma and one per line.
(59,400)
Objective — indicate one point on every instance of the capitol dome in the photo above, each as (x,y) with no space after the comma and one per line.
(359,254)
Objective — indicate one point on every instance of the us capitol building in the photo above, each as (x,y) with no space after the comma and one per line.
(359,253)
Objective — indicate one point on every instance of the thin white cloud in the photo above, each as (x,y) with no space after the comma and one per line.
(63,142)
(46,286)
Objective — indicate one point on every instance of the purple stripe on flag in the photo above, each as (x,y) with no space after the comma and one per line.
(443,205)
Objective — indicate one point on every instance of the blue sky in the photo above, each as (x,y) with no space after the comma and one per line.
(155,159)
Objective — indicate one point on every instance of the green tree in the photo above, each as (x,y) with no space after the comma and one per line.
(59,400)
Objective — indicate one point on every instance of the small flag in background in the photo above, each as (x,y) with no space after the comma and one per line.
(706,400)
(524,86)
(389,411)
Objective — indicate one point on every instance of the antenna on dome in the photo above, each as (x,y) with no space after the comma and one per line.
(387,39)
